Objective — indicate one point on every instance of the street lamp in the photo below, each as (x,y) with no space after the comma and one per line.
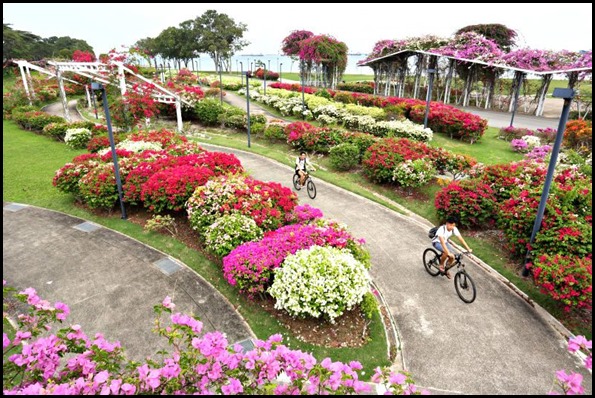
(248,104)
(567,94)
(99,86)
(242,72)
(280,67)
(220,85)
(429,95)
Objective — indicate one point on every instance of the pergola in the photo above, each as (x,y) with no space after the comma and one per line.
(96,71)
(392,69)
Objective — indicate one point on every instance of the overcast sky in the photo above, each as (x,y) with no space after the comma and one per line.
(105,26)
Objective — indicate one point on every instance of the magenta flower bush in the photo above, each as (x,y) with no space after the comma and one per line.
(68,362)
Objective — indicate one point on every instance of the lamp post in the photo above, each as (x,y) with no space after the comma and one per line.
(248,105)
(242,72)
(280,67)
(519,80)
(220,85)
(429,95)
(567,94)
(99,86)
(303,72)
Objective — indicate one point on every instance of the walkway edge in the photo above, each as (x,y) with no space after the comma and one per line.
(252,335)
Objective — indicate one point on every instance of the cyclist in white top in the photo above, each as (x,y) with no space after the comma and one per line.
(442,244)
(300,167)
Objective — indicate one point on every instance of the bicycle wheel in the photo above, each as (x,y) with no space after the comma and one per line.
(465,287)
(431,261)
(296,182)
(311,189)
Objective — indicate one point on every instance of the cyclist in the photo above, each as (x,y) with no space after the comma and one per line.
(300,167)
(442,244)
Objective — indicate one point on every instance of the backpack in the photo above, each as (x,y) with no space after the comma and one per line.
(432,232)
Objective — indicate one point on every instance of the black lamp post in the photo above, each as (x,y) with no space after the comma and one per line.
(567,94)
(429,95)
(248,104)
(99,86)
(220,85)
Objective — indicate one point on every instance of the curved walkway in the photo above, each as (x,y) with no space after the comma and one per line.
(110,281)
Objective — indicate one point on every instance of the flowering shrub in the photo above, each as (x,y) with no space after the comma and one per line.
(58,130)
(472,201)
(507,178)
(98,187)
(413,173)
(250,266)
(230,231)
(539,153)
(199,363)
(68,176)
(158,222)
(163,137)
(77,138)
(133,146)
(519,145)
(265,202)
(35,120)
(568,279)
(344,156)
(579,135)
(169,189)
(382,157)
(302,214)
(450,121)
(319,282)
(296,130)
(456,164)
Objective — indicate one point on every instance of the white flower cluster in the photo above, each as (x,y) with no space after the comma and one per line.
(532,141)
(413,173)
(77,138)
(133,146)
(404,128)
(319,281)
(230,231)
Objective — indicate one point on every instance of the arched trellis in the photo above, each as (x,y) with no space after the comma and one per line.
(380,65)
(97,71)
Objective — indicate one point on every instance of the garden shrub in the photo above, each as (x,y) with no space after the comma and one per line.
(369,305)
(35,120)
(471,200)
(509,133)
(257,129)
(58,130)
(414,173)
(265,202)
(567,279)
(318,139)
(229,232)
(98,187)
(505,179)
(344,97)
(319,282)
(15,98)
(163,137)
(579,135)
(367,87)
(169,189)
(67,178)
(344,156)
(77,138)
(208,111)
(275,132)
(362,140)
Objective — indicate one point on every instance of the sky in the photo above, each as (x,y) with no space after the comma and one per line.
(551,26)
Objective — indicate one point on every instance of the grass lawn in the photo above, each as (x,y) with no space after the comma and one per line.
(29,164)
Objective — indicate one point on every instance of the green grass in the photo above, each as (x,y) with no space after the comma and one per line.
(29,164)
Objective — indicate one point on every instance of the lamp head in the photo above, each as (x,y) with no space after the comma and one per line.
(96,86)
(566,93)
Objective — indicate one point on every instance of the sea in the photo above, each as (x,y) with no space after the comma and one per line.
(274,62)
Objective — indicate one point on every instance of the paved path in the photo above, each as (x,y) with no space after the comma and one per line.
(110,281)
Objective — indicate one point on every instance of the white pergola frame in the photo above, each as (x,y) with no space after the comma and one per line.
(519,72)
(96,71)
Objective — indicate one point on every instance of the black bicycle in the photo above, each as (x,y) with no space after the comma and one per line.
(464,285)
(310,187)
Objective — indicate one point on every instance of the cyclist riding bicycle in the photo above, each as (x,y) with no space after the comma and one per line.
(300,167)
(442,244)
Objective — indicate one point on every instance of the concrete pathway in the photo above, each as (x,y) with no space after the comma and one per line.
(110,281)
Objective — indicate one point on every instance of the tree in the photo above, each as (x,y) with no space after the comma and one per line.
(16,43)
(220,36)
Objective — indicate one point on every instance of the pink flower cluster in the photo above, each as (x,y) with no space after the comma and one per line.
(199,364)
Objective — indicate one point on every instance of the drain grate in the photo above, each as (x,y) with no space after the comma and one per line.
(167,266)
(15,207)
(247,345)
(87,227)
